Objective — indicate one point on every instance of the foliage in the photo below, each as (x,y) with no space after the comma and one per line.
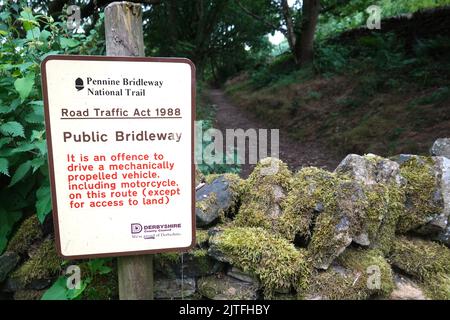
(345,15)
(90,272)
(27,38)
(275,261)
(205,115)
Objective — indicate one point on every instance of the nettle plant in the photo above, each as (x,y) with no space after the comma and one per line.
(25,40)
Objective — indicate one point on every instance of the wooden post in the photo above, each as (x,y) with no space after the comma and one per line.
(124,37)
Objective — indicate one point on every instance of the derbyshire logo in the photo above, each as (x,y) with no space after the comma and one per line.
(136,228)
(79,84)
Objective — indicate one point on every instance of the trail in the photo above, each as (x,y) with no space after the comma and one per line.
(297,154)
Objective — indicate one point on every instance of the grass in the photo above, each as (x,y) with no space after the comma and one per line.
(383,95)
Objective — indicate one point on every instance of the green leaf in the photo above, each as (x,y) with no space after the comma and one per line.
(98,266)
(20,173)
(7,221)
(24,147)
(24,66)
(36,115)
(43,202)
(68,43)
(24,85)
(75,293)
(42,146)
(37,135)
(33,33)
(12,128)
(45,35)
(4,166)
(26,13)
(58,291)
(5,141)
(28,19)
(36,163)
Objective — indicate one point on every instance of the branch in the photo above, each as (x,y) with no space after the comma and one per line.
(255,16)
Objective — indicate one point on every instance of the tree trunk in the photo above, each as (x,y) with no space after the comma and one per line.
(290,32)
(310,15)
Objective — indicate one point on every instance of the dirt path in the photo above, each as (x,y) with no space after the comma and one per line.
(295,153)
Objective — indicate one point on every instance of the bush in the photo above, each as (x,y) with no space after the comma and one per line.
(26,40)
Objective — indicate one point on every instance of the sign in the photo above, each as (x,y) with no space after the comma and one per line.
(120,144)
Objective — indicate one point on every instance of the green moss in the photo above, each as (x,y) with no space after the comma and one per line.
(437,286)
(373,158)
(420,187)
(420,258)
(201,260)
(353,278)
(28,232)
(311,187)
(28,295)
(333,285)
(262,194)
(276,262)
(201,237)
(270,171)
(365,263)
(206,203)
(253,214)
(324,244)
(386,202)
(44,264)
(199,177)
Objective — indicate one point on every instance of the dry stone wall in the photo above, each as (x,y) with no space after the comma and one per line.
(374,228)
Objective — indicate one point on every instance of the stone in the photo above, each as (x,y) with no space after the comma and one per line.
(194,263)
(222,287)
(441,147)
(169,289)
(8,261)
(335,227)
(383,199)
(212,201)
(370,169)
(406,289)
(427,195)
(214,250)
(29,233)
(39,271)
(266,189)
(443,167)
(28,294)
(242,276)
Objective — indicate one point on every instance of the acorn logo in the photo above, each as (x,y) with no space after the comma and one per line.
(79,84)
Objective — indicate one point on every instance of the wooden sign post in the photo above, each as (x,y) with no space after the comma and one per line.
(124,37)
(120,137)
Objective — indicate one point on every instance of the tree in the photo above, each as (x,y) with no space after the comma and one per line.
(297,25)
(216,35)
(304,50)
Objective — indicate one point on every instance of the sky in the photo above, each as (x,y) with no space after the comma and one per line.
(278,37)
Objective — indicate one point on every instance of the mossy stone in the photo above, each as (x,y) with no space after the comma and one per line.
(272,259)
(422,202)
(222,287)
(420,258)
(29,232)
(263,193)
(43,265)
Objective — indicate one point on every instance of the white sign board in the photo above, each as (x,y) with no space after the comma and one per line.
(120,141)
